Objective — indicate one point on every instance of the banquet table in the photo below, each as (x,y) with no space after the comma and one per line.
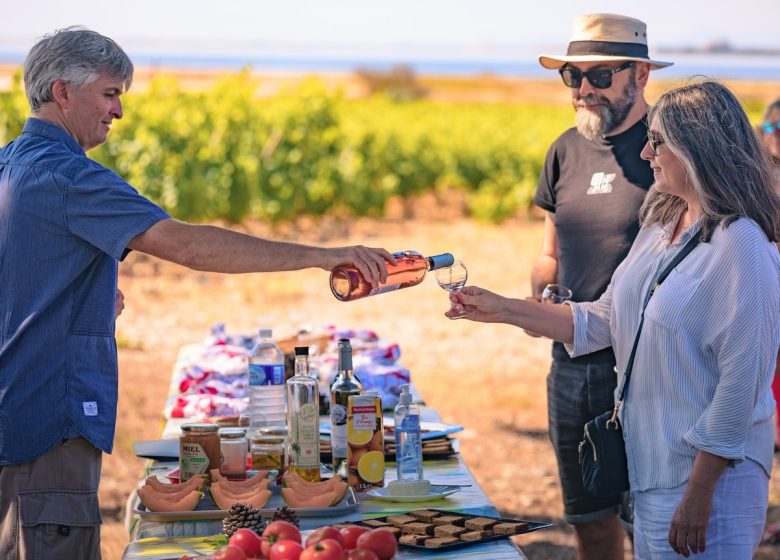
(153,539)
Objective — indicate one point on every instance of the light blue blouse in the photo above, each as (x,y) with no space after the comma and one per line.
(706,355)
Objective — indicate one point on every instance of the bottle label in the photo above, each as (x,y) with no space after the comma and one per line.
(384,289)
(408,444)
(338,430)
(266,374)
(363,418)
(306,437)
(193,460)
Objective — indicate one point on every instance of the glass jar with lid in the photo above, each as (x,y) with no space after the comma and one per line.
(268,452)
(233,449)
(198,449)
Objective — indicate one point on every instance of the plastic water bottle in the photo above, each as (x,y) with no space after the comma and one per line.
(408,446)
(267,397)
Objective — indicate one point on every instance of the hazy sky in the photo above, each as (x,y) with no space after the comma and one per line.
(226,26)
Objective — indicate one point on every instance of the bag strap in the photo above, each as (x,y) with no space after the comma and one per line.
(692,242)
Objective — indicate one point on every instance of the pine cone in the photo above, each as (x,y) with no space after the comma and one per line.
(242,516)
(286,514)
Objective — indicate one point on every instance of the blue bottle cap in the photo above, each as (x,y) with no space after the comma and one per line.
(441,261)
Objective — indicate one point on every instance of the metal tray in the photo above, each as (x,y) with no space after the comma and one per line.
(207,509)
(531,527)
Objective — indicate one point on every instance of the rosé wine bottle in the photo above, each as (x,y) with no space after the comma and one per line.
(348,284)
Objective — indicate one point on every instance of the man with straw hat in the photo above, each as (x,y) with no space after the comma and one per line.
(591,188)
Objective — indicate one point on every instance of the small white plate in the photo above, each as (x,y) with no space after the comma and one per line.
(437,491)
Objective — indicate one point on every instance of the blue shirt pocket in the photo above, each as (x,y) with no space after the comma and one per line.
(672,303)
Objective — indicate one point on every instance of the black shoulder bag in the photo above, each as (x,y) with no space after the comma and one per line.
(602,449)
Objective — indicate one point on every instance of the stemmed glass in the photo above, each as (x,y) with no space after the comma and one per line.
(453,278)
(555,293)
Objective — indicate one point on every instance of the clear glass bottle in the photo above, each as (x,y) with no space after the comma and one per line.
(348,284)
(344,385)
(303,419)
(267,398)
(408,445)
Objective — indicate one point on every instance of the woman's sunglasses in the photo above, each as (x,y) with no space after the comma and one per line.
(599,78)
(770,127)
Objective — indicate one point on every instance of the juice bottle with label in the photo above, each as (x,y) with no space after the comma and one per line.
(365,442)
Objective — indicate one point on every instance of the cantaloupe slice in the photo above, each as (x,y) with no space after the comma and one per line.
(339,491)
(261,475)
(294,499)
(167,496)
(237,493)
(157,502)
(294,480)
(225,500)
(228,485)
(197,482)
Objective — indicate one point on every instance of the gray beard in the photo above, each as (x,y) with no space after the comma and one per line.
(594,125)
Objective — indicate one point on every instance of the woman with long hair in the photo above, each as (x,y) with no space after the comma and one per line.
(697,415)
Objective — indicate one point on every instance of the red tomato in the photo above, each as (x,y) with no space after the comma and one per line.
(285,550)
(326,549)
(324,533)
(350,535)
(230,553)
(380,541)
(248,541)
(277,531)
(362,554)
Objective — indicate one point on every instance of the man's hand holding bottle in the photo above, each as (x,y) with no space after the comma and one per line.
(369,261)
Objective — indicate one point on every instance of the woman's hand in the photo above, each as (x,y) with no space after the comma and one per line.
(478,304)
(688,532)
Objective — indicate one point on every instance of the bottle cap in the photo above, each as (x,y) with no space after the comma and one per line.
(405,397)
(441,261)
(266,333)
(301,350)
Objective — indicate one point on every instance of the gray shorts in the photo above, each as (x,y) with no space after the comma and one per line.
(576,393)
(49,506)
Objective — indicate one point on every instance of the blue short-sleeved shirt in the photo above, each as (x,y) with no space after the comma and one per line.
(65,222)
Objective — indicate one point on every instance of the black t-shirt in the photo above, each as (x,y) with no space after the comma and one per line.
(595,190)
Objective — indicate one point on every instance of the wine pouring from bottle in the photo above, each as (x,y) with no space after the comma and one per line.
(347,284)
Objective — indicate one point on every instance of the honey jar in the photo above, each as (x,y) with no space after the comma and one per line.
(268,452)
(198,449)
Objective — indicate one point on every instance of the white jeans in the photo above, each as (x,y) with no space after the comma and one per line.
(734,530)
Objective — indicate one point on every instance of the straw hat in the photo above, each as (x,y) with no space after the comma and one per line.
(605,37)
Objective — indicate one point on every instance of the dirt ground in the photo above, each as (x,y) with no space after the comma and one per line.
(490,378)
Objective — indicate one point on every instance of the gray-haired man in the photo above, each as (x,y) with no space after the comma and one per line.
(65,222)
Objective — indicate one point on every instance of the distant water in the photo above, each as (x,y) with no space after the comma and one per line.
(723,66)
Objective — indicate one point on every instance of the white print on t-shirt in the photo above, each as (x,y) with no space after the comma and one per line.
(601,183)
(90,408)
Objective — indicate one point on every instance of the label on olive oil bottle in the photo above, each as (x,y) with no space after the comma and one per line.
(365,443)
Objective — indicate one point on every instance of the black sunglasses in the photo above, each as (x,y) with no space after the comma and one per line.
(654,142)
(599,78)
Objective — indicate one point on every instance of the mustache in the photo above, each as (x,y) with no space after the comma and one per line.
(591,99)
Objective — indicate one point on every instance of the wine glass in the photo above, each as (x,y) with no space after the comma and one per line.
(555,293)
(453,278)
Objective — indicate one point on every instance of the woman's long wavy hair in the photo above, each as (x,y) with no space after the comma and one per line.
(704,126)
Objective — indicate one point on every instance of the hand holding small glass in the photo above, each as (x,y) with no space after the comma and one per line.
(453,278)
(556,293)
